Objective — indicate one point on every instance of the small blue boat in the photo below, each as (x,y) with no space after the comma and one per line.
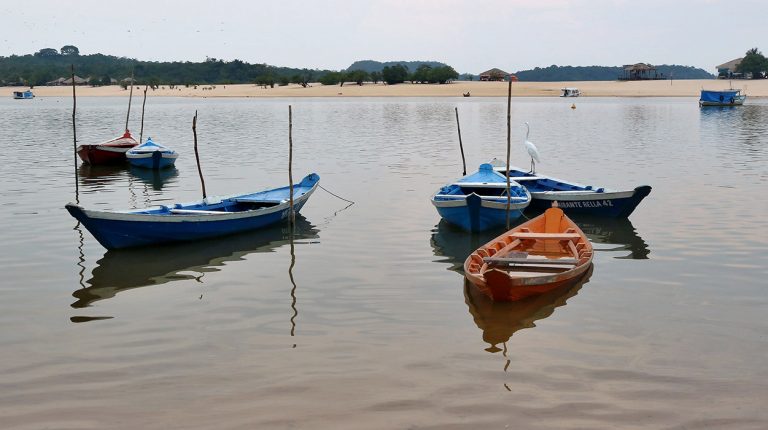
(722,98)
(574,198)
(23,95)
(211,217)
(151,155)
(478,202)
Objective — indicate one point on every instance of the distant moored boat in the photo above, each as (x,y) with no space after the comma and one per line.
(151,155)
(722,98)
(23,95)
(109,152)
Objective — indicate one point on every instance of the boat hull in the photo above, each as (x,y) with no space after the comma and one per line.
(156,160)
(97,155)
(475,214)
(618,204)
(501,288)
(533,258)
(115,230)
(736,102)
(577,199)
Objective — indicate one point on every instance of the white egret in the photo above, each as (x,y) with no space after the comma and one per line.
(532,151)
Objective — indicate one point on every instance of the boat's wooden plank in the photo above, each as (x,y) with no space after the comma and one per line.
(196,212)
(535,235)
(527,261)
(256,200)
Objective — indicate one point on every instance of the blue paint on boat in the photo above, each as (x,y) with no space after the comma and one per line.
(151,155)
(478,202)
(722,98)
(211,217)
(23,95)
(574,198)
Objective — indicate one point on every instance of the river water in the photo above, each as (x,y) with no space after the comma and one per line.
(364,320)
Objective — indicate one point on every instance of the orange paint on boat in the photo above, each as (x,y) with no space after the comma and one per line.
(531,259)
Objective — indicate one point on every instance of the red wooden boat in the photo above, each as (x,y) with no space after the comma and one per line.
(110,152)
(532,258)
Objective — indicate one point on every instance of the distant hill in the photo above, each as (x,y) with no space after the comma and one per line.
(377,66)
(603,73)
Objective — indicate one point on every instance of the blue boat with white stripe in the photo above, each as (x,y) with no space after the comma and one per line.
(574,198)
(210,217)
(478,202)
(151,155)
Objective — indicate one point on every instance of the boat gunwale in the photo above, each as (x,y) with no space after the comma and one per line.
(138,215)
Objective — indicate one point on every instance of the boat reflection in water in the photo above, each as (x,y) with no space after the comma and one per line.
(155,177)
(614,231)
(116,270)
(500,320)
(455,244)
(93,178)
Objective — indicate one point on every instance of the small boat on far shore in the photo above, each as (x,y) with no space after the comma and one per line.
(110,152)
(722,98)
(531,259)
(570,92)
(151,155)
(23,95)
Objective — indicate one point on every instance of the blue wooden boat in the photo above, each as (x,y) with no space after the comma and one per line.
(722,98)
(23,95)
(478,202)
(574,198)
(151,155)
(211,217)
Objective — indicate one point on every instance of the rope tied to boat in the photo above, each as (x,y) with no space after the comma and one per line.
(335,195)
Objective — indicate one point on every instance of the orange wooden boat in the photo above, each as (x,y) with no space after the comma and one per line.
(532,258)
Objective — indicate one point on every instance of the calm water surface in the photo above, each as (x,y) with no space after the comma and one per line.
(365,320)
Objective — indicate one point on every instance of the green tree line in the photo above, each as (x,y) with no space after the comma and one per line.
(49,64)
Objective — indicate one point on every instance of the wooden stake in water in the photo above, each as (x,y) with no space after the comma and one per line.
(509,145)
(141,133)
(197,156)
(461,147)
(290,162)
(74,133)
(130,97)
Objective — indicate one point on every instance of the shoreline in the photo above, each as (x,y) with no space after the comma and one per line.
(666,88)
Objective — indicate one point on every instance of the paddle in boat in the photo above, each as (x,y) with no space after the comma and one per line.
(151,155)
(531,259)
(575,198)
(478,202)
(210,217)
(722,98)
(109,152)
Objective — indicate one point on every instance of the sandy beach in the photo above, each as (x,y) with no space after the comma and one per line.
(679,88)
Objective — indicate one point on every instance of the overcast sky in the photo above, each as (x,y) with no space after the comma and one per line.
(471,36)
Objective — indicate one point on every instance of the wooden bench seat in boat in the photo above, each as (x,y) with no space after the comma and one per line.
(535,235)
(529,261)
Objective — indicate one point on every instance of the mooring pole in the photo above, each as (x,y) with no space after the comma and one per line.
(197,156)
(461,146)
(509,145)
(290,162)
(141,133)
(74,134)
(130,97)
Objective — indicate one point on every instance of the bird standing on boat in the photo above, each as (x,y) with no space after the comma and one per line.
(531,148)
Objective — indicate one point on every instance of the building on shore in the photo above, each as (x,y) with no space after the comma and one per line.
(640,72)
(496,75)
(728,70)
